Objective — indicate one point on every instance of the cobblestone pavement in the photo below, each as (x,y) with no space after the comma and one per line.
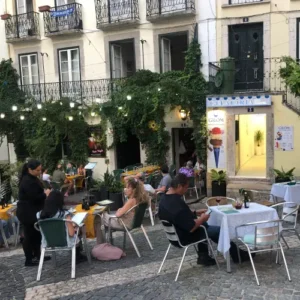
(136,278)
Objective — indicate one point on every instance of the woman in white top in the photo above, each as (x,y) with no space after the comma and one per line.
(46,176)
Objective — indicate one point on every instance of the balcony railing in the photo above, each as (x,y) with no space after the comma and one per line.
(244,1)
(165,7)
(250,76)
(63,18)
(86,91)
(115,11)
(23,26)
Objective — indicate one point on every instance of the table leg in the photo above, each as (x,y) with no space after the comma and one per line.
(228,262)
(86,249)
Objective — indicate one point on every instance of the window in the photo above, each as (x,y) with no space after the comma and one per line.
(298,39)
(29,69)
(63,2)
(24,6)
(116,61)
(69,65)
(166,55)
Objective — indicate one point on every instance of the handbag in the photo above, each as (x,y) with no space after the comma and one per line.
(107,252)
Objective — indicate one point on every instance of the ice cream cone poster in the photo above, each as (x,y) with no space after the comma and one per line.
(284,138)
(216,155)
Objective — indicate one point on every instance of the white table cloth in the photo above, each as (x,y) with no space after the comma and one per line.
(289,193)
(228,222)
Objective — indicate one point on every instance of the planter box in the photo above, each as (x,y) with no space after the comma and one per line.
(279,180)
(44,8)
(118,201)
(5,16)
(96,193)
(218,189)
(104,193)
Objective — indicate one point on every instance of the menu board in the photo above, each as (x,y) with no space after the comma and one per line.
(284,138)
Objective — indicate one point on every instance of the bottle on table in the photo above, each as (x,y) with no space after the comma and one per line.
(246,200)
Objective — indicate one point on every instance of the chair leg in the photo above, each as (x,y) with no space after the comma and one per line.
(73,268)
(285,241)
(17,234)
(164,259)
(196,192)
(85,245)
(285,264)
(213,253)
(277,257)
(3,236)
(133,243)
(253,266)
(182,259)
(151,215)
(146,236)
(297,234)
(38,278)
(196,249)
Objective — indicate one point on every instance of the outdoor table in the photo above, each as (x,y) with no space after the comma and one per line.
(229,220)
(89,221)
(4,212)
(148,170)
(77,179)
(289,193)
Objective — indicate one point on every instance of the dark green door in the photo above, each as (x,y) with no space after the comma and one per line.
(246,46)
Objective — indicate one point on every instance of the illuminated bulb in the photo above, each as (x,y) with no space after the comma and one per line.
(60,103)
(72,104)
(14,108)
(120,108)
(93,114)
(98,100)
(70,118)
(2,116)
(22,118)
(129,97)
(79,113)
(126,115)
(39,106)
(44,119)
(159,89)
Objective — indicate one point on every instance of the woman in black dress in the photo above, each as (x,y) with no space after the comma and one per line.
(31,200)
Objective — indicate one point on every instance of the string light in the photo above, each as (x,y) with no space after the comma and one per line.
(79,113)
(14,108)
(39,106)
(98,100)
(70,118)
(2,116)
(22,118)
(129,97)
(44,119)
(93,114)
(60,103)
(120,108)
(159,89)
(72,104)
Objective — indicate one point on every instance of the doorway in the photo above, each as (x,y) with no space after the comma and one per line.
(128,153)
(246,47)
(183,146)
(250,145)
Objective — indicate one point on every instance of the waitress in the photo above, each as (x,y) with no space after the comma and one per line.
(31,200)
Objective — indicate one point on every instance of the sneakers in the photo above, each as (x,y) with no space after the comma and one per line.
(205,260)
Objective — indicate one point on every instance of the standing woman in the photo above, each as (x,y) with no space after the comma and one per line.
(31,200)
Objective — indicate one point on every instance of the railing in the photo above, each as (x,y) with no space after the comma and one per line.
(63,18)
(250,75)
(161,7)
(22,26)
(115,11)
(86,91)
(244,1)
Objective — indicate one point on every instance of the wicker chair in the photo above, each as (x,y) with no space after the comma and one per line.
(224,201)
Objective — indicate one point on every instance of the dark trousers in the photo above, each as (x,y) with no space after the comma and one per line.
(213,233)
(32,242)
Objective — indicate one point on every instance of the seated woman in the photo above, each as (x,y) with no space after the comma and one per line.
(188,169)
(54,209)
(136,194)
(81,171)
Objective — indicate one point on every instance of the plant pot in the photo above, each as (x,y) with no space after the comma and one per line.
(44,8)
(118,201)
(96,193)
(5,16)
(104,193)
(258,150)
(218,189)
(279,180)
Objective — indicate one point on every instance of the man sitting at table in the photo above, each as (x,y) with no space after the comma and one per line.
(165,181)
(60,177)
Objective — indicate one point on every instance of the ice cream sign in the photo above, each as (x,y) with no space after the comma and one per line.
(237,101)
(216,147)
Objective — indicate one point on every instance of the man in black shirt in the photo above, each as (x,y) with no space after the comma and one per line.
(173,209)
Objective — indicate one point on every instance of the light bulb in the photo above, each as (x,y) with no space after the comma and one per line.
(60,103)
(79,113)
(22,118)
(14,108)
(159,89)
(120,108)
(126,115)
(2,116)
(129,97)
(39,106)
(98,100)
(72,104)
(70,118)
(93,114)
(44,119)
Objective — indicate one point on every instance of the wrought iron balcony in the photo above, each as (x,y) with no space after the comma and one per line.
(244,1)
(22,27)
(112,12)
(168,8)
(247,76)
(63,19)
(85,91)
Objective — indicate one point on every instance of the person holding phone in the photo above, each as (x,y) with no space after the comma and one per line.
(173,208)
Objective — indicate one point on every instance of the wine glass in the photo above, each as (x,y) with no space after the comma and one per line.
(218,200)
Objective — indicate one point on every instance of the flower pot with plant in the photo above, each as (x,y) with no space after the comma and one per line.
(115,194)
(5,17)
(282,176)
(258,139)
(218,183)
(96,189)
(44,8)
(108,180)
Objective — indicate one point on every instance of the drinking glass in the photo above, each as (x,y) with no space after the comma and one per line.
(218,200)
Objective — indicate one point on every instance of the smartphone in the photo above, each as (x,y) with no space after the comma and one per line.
(208,212)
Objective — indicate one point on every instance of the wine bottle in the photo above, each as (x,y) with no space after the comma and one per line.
(246,200)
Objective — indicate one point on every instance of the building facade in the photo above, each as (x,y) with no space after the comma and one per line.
(252,117)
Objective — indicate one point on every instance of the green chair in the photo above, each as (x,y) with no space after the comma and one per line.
(55,235)
(136,223)
(117,174)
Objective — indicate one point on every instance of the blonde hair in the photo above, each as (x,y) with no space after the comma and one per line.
(139,192)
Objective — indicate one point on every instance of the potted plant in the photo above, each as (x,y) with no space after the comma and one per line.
(282,176)
(115,194)
(96,189)
(5,17)
(44,8)
(258,138)
(218,183)
(108,180)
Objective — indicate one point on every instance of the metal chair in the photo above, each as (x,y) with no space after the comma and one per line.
(15,223)
(264,239)
(129,168)
(55,234)
(223,201)
(192,186)
(288,214)
(261,197)
(117,174)
(173,238)
(136,223)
